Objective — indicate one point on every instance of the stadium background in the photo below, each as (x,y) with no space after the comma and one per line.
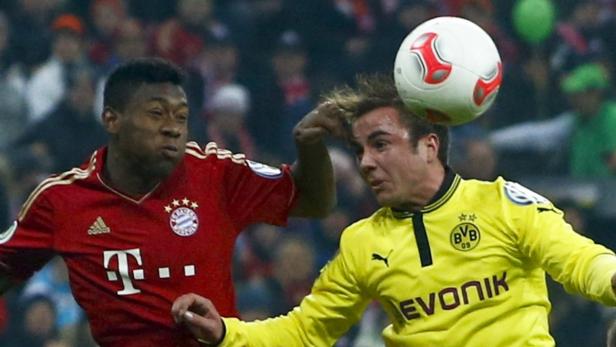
(255,68)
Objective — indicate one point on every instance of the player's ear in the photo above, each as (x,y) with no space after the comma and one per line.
(432,144)
(111,120)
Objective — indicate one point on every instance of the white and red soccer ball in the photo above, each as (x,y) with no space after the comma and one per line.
(448,70)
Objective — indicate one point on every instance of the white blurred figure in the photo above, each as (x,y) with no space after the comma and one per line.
(226,119)
(47,86)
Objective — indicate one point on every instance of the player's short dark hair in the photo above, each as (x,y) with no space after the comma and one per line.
(128,77)
(378,90)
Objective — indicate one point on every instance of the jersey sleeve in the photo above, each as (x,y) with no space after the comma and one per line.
(335,303)
(575,261)
(28,244)
(257,193)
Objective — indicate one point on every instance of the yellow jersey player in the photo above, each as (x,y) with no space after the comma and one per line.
(453,262)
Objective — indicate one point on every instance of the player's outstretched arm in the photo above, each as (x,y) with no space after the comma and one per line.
(313,171)
(335,303)
(575,261)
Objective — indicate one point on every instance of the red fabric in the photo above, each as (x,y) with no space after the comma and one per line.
(295,90)
(4,315)
(363,16)
(68,22)
(455,6)
(100,52)
(117,267)
(573,38)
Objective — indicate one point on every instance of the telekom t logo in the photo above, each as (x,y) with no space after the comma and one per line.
(126,259)
(123,269)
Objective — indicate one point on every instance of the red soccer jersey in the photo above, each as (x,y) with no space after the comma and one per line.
(129,259)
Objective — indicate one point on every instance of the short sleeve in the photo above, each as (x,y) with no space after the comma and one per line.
(545,237)
(28,243)
(258,193)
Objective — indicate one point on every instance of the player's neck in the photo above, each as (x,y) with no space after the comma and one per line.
(430,187)
(122,175)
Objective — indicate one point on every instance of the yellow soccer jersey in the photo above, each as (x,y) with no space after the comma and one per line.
(467,270)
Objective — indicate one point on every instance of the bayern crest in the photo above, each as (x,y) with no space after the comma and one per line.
(183,219)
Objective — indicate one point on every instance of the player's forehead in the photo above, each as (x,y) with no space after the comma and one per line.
(379,121)
(165,93)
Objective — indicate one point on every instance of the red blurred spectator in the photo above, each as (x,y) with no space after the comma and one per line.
(180,39)
(4,315)
(107,18)
(457,7)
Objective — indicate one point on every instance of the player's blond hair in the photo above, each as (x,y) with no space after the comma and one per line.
(374,91)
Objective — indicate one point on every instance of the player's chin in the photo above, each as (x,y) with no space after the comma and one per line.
(383,198)
(164,167)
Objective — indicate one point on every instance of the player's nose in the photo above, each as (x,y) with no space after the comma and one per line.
(366,163)
(171,129)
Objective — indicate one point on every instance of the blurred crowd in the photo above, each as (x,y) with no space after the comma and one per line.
(255,67)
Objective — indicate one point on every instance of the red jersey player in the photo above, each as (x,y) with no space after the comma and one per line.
(150,216)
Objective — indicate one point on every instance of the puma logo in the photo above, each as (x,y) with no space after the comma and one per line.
(546,209)
(376,256)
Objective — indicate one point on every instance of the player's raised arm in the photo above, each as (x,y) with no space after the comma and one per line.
(313,170)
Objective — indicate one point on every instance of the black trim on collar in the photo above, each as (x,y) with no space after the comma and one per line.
(447,182)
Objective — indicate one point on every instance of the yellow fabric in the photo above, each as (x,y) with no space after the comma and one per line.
(484,287)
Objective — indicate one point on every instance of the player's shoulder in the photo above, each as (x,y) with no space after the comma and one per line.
(211,152)
(220,157)
(501,190)
(60,185)
(365,229)
(67,180)
(517,194)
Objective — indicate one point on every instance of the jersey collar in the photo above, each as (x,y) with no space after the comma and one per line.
(101,155)
(444,193)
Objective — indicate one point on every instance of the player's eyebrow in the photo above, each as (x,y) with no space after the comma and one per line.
(165,101)
(354,142)
(376,134)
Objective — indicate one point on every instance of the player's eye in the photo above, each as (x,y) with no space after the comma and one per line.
(182,117)
(380,145)
(156,113)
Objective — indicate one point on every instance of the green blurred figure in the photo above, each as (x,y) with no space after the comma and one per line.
(593,144)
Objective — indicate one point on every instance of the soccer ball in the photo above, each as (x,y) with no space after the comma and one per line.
(448,70)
